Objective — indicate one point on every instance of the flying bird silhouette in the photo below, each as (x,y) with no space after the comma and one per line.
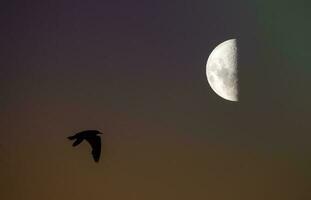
(92,137)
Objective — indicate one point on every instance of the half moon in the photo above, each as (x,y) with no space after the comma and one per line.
(222,70)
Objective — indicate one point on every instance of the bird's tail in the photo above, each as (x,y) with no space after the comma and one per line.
(71,137)
(78,141)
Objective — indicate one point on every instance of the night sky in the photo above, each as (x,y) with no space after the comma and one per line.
(135,70)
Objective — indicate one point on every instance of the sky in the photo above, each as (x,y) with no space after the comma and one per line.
(135,70)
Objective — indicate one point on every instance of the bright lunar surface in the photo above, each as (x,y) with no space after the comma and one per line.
(222,70)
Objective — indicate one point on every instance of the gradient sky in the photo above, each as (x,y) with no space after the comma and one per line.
(136,71)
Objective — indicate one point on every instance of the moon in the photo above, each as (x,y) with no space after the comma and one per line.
(222,70)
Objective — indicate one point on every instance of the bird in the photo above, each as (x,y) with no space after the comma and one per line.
(93,139)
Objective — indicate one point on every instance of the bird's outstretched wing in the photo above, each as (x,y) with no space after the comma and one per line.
(95,143)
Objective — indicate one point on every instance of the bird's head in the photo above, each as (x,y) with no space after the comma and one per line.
(98,132)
